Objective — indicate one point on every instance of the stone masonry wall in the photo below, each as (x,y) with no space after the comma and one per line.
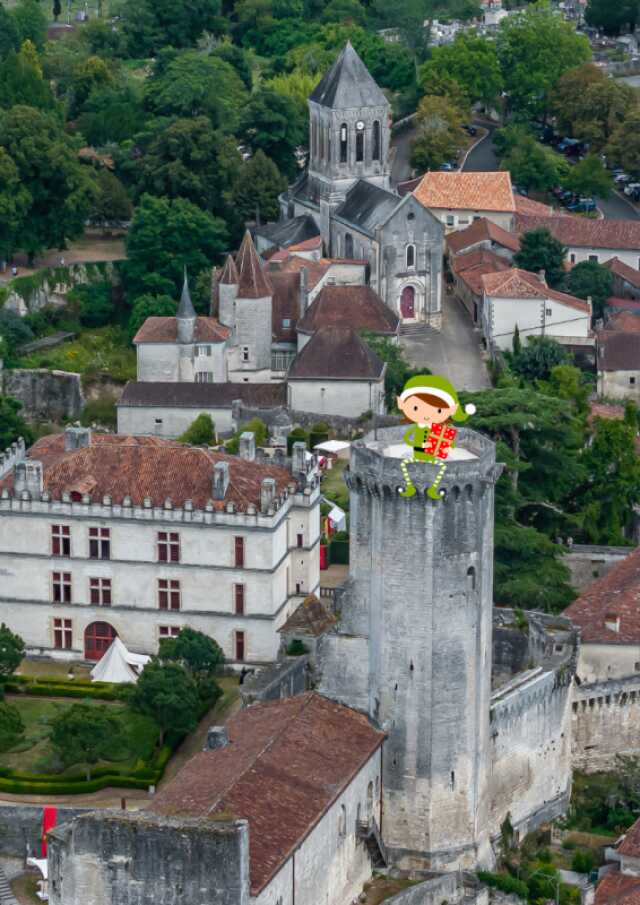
(605,721)
(432,892)
(21,828)
(45,395)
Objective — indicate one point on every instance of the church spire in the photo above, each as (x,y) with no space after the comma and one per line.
(348,85)
(252,280)
(186,314)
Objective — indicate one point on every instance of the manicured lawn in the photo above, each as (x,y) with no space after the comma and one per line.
(102,352)
(52,669)
(333,485)
(34,754)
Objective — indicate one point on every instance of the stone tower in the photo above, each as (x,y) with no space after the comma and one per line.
(413,647)
(349,129)
(227,290)
(253,310)
(186,314)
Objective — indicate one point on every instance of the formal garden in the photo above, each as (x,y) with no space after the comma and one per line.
(64,734)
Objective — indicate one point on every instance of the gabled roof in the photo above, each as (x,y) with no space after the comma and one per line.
(624,322)
(348,84)
(252,281)
(532,208)
(229,275)
(286,233)
(616,594)
(581,232)
(366,205)
(467,191)
(285,304)
(165,330)
(316,270)
(358,307)
(520,284)
(286,763)
(630,846)
(618,351)
(482,230)
(618,889)
(336,353)
(622,270)
(161,394)
(313,617)
(470,268)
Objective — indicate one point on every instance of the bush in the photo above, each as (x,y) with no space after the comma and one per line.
(95,304)
(11,726)
(201,432)
(505,883)
(582,862)
(297,435)
(296,648)
(339,551)
(101,411)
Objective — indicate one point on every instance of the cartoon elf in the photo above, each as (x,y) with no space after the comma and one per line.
(430,401)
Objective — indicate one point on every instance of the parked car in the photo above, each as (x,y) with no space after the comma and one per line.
(621,179)
(634,195)
(583,206)
(447,167)
(471,130)
(631,188)
(565,143)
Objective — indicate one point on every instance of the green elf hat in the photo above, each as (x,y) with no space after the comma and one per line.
(440,387)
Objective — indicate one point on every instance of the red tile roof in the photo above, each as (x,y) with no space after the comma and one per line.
(618,351)
(532,208)
(615,594)
(307,245)
(581,232)
(252,280)
(624,322)
(631,844)
(618,889)
(165,330)
(467,191)
(482,230)
(610,412)
(229,273)
(285,305)
(622,270)
(286,763)
(316,270)
(358,307)
(520,284)
(336,353)
(118,465)
(470,268)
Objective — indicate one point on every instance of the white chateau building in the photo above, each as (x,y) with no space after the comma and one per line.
(108,535)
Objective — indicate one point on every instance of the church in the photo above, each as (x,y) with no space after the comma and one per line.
(346,192)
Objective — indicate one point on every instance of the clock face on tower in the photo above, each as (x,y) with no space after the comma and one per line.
(359,125)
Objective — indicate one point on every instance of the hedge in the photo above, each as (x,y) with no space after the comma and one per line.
(100,691)
(505,883)
(339,551)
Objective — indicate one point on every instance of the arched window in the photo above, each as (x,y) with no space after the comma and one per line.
(375,153)
(342,821)
(348,245)
(344,143)
(411,256)
(369,800)
(471,579)
(359,142)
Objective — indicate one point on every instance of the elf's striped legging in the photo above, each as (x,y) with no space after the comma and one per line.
(409,485)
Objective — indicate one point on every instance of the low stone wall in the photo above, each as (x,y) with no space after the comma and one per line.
(281,680)
(45,395)
(21,828)
(587,563)
(273,418)
(435,891)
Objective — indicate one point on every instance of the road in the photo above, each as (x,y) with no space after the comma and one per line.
(401,164)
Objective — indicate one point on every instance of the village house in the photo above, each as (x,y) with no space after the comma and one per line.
(590,240)
(482,234)
(621,886)
(626,279)
(467,271)
(618,364)
(357,307)
(105,536)
(458,198)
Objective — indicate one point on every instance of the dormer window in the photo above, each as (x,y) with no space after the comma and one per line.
(612,622)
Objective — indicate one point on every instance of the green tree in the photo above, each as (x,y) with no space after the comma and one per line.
(31,22)
(408,16)
(166,692)
(534,166)
(11,645)
(613,18)
(236,57)
(398,368)
(11,726)
(272,123)
(345,11)
(191,84)
(9,36)
(590,177)
(589,105)
(96,305)
(60,188)
(15,201)
(200,655)
(150,306)
(439,133)
(538,358)
(165,236)
(201,432)
(624,147)
(112,205)
(85,734)
(471,61)
(12,426)
(257,187)
(90,74)
(149,25)
(21,80)
(112,113)
(14,332)
(57,9)
(590,280)
(535,48)
(540,251)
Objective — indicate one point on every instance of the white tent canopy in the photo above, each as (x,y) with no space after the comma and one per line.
(119,665)
(332,446)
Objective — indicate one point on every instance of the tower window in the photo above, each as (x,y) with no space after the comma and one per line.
(471,579)
(359,142)
(344,143)
(375,153)
(348,245)
(411,256)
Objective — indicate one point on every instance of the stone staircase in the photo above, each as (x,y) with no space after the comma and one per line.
(369,833)
(417,329)
(6,896)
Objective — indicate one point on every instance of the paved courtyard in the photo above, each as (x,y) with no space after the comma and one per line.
(454,353)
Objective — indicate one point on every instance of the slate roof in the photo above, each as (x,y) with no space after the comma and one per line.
(186,311)
(581,232)
(358,307)
(622,270)
(617,594)
(286,763)
(520,284)
(285,304)
(631,843)
(618,889)
(618,351)
(118,465)
(482,230)
(470,268)
(467,191)
(163,394)
(165,330)
(336,353)
(348,84)
(252,281)
(286,233)
(366,205)
(312,617)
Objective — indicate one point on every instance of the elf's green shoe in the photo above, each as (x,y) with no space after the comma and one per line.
(434,494)
(408,491)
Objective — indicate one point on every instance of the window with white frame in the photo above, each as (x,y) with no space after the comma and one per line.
(99,543)
(61,587)
(168,594)
(60,540)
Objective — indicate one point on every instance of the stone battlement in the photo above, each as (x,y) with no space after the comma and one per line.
(11,456)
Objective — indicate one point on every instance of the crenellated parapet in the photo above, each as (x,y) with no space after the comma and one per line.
(12,456)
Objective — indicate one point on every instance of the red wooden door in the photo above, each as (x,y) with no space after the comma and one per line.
(407,302)
(97,640)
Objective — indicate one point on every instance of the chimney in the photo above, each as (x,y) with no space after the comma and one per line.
(29,476)
(217,737)
(248,446)
(298,458)
(220,480)
(267,493)
(77,438)
(542,276)
(304,291)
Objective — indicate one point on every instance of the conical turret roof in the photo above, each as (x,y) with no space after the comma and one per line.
(229,275)
(348,84)
(252,281)
(186,311)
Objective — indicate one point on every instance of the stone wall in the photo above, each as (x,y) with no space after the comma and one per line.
(109,858)
(587,563)
(284,679)
(345,426)
(26,294)
(45,395)
(605,722)
(21,828)
(436,891)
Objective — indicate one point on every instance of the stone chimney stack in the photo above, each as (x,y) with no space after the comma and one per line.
(29,475)
(220,480)
(298,458)
(77,438)
(304,291)
(217,737)
(248,446)
(267,494)
(542,276)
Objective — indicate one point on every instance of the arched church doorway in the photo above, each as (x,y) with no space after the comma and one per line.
(97,640)
(408,303)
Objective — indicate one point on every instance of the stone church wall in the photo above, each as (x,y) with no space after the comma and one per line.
(605,722)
